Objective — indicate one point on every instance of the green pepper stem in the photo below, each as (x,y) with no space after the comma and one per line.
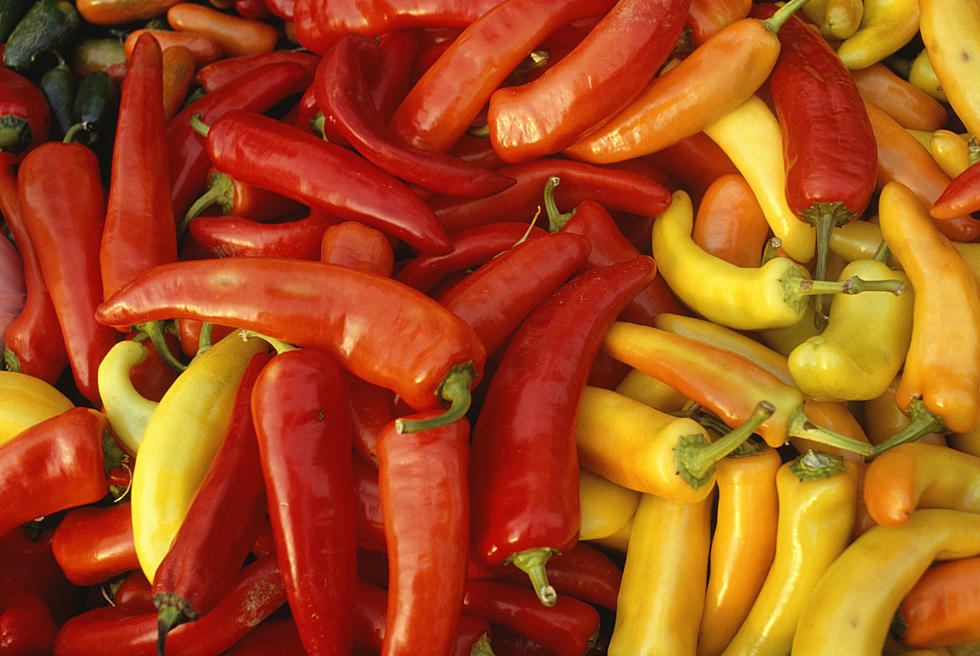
(173,611)
(973,150)
(317,123)
(279,345)
(695,460)
(154,330)
(814,465)
(71,132)
(198,124)
(824,217)
(220,192)
(774,22)
(10,360)
(482,646)
(771,249)
(455,390)
(532,562)
(882,253)
(801,426)
(556,218)
(14,132)
(204,339)
(853,285)
(923,421)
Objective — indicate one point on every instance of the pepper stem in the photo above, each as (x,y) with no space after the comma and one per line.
(14,132)
(556,218)
(279,345)
(173,611)
(814,465)
(10,360)
(455,390)
(154,330)
(882,253)
(482,646)
(532,562)
(824,217)
(220,192)
(771,249)
(923,421)
(774,22)
(801,426)
(795,286)
(695,460)
(198,124)
(204,339)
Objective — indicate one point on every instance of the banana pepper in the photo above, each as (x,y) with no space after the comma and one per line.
(605,506)
(774,295)
(128,411)
(856,597)
(886,26)
(180,440)
(817,497)
(26,400)
(950,31)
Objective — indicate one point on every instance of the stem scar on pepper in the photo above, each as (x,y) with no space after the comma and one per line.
(454,390)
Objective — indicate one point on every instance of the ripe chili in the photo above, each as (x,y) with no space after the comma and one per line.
(353,244)
(961,196)
(942,607)
(92,544)
(236,35)
(238,236)
(729,223)
(525,519)
(25,116)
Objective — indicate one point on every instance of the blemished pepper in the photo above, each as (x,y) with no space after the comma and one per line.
(946,311)
(774,295)
(856,597)
(943,23)
(817,499)
(662,590)
(848,362)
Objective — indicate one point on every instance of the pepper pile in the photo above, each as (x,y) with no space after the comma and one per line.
(512,327)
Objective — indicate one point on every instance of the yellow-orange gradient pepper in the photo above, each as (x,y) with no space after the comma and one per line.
(26,400)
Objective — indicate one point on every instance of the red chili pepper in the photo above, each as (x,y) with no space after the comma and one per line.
(497,297)
(471,248)
(695,161)
(478,151)
(567,628)
(706,17)
(425,505)
(391,79)
(254,9)
(25,116)
(134,593)
(274,636)
(367,493)
(281,8)
(63,207)
(95,543)
(303,426)
(321,22)
(257,593)
(257,91)
(527,423)
(730,224)
(355,245)
(583,572)
(153,376)
(231,236)
(613,189)
(222,522)
(237,198)
(381,330)
(32,341)
(51,466)
(605,71)
(443,104)
(324,176)
(26,625)
(139,229)
(961,196)
(342,93)
(829,146)
(226,70)
(507,642)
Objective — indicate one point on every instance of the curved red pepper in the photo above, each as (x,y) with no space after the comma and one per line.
(218,73)
(381,330)
(496,297)
(303,426)
(321,22)
(472,247)
(25,116)
(353,244)
(139,229)
(95,543)
(257,593)
(961,196)
(256,91)
(583,572)
(342,94)
(222,522)
(567,628)
(425,505)
(706,17)
(237,236)
(392,77)
(324,176)
(275,636)
(613,189)
(60,190)
(54,465)
(32,342)
(135,593)
(527,423)
(238,198)
(443,104)
(612,64)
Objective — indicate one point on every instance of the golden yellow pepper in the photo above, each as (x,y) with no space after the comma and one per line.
(26,400)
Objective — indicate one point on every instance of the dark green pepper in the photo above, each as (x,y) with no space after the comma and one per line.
(47,25)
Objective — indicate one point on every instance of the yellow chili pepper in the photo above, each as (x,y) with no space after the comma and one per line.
(180,440)
(643,449)
(842,19)
(968,442)
(784,340)
(817,498)
(605,506)
(26,400)
(847,361)
(618,541)
(950,31)
(743,542)
(951,151)
(128,411)
(942,367)
(883,419)
(923,76)
(751,138)
(662,590)
(651,391)
(853,603)
(774,295)
(886,26)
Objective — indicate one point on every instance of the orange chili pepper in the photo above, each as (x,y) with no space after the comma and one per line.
(881,418)
(706,17)
(236,35)
(204,48)
(730,223)
(901,158)
(912,107)
(916,475)
(943,607)
(117,12)
(357,245)
(743,543)
(179,67)
(942,367)
(950,151)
